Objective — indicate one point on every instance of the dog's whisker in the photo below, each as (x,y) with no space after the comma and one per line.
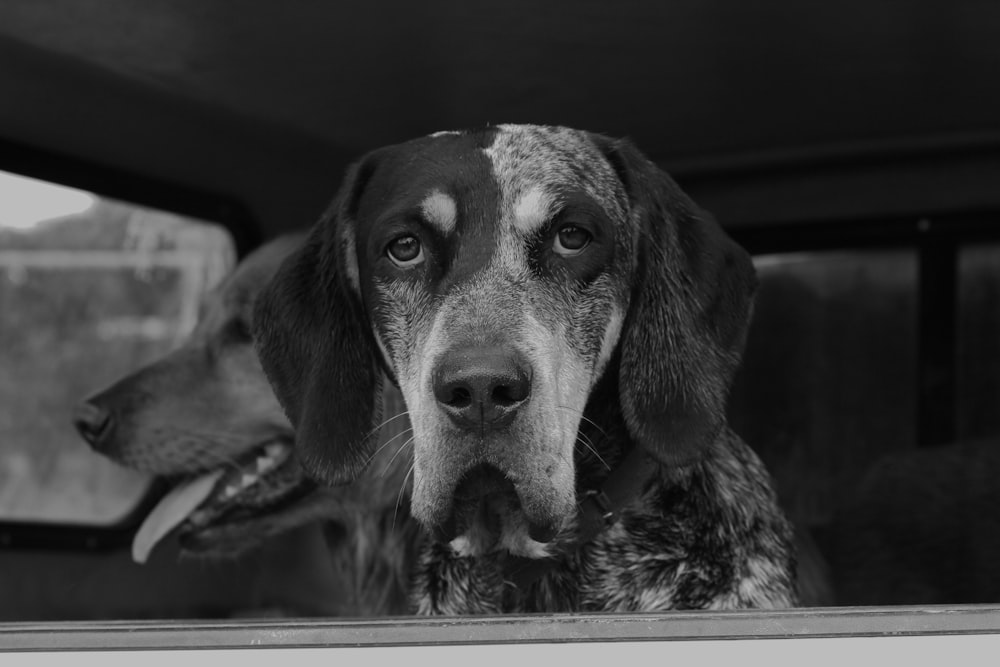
(399,497)
(375,431)
(595,425)
(585,441)
(401,448)
(590,444)
(386,444)
(404,413)
(584,418)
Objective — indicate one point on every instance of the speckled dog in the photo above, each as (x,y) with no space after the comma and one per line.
(564,325)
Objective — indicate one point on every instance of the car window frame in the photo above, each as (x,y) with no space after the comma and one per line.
(933,236)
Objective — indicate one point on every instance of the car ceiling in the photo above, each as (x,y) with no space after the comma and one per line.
(268,101)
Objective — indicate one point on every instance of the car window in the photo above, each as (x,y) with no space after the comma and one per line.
(844,362)
(91,288)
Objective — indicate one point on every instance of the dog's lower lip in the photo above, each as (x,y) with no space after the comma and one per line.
(266,463)
(234,530)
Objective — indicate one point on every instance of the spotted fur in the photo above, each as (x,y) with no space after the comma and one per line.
(623,309)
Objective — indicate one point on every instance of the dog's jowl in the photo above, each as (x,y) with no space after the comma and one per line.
(564,324)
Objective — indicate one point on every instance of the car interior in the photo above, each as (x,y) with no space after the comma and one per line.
(853,148)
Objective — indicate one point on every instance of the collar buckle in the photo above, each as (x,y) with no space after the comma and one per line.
(605,508)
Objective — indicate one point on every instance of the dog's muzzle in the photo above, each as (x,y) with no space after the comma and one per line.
(96,424)
(482,388)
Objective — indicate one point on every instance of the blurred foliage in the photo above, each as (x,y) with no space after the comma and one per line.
(73,322)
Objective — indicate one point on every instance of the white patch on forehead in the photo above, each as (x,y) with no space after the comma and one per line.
(526,158)
(439,209)
(533,209)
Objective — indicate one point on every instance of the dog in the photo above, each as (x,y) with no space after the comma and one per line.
(204,416)
(563,324)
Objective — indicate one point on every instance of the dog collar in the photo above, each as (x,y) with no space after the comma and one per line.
(602,507)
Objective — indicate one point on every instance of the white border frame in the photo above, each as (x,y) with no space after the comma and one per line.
(856,622)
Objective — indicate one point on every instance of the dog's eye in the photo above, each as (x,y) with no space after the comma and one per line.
(405,251)
(570,240)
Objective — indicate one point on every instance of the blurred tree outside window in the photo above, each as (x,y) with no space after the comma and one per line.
(86,298)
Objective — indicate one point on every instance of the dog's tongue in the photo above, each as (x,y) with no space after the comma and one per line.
(171,511)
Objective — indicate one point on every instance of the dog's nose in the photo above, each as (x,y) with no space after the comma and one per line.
(482,387)
(94,423)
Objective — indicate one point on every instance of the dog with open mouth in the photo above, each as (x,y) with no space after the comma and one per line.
(205,418)
(563,324)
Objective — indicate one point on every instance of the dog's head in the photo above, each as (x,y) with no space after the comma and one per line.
(496,276)
(207,409)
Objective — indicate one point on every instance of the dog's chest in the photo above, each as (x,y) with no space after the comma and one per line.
(622,570)
(676,548)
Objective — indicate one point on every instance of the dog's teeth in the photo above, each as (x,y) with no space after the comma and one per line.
(264,463)
(248,479)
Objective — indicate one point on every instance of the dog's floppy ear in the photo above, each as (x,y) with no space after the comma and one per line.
(691,305)
(316,347)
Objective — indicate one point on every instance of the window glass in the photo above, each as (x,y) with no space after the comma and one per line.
(90,289)
(827,389)
(828,396)
(829,374)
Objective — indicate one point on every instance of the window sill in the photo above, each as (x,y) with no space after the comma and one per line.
(856,622)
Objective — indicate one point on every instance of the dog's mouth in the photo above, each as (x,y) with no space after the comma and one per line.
(265,480)
(488,515)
